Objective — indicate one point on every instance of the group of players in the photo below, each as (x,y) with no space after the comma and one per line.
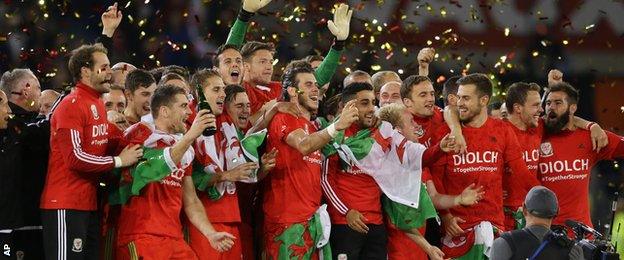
(173,192)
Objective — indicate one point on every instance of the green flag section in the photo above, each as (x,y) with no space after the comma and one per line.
(383,153)
(251,145)
(408,218)
(201,180)
(152,167)
(292,238)
(518,217)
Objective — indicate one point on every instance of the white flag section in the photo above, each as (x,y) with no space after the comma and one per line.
(229,156)
(396,164)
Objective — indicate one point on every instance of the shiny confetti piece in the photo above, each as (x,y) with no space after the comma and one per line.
(506,32)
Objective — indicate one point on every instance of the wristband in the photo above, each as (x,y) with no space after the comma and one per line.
(339,45)
(118,162)
(589,126)
(245,16)
(331,130)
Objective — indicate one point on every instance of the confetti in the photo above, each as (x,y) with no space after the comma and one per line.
(506,32)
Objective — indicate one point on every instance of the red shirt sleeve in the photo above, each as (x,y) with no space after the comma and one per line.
(76,159)
(613,150)
(282,125)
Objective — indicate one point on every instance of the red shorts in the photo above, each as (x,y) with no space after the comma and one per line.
(274,248)
(401,247)
(147,247)
(201,246)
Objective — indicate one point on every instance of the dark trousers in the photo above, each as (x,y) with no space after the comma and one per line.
(22,244)
(70,234)
(372,245)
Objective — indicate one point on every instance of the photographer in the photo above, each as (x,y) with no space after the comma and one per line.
(536,241)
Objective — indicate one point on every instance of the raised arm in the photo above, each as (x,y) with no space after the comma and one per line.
(307,144)
(111,19)
(598,135)
(239,29)
(339,27)
(425,57)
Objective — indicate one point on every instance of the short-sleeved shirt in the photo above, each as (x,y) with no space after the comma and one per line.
(529,140)
(292,190)
(565,166)
(490,148)
(156,210)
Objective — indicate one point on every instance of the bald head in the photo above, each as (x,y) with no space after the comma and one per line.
(46,100)
(390,93)
(120,71)
(382,77)
(357,76)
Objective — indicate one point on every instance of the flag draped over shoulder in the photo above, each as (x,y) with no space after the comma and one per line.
(155,165)
(383,153)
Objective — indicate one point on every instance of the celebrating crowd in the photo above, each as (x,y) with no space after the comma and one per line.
(225,163)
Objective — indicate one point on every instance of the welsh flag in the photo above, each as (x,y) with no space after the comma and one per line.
(396,165)
(474,244)
(235,149)
(155,164)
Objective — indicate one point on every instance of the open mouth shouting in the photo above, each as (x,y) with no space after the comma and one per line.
(235,75)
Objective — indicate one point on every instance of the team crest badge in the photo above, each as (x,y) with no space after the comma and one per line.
(95,113)
(77,245)
(546,149)
(419,130)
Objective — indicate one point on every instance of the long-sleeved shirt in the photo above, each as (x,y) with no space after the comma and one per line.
(79,145)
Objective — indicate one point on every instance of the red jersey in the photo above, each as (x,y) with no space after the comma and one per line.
(79,141)
(351,189)
(259,95)
(426,127)
(210,153)
(156,211)
(565,165)
(292,192)
(490,148)
(529,141)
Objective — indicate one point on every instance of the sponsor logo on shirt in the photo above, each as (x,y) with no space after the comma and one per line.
(578,165)
(475,157)
(464,163)
(315,158)
(174,179)
(355,171)
(546,149)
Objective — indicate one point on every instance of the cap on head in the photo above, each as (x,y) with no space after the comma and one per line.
(541,202)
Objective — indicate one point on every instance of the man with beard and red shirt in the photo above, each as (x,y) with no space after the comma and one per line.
(566,155)
(523,102)
(492,145)
(357,220)
(79,155)
(418,96)
(292,190)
